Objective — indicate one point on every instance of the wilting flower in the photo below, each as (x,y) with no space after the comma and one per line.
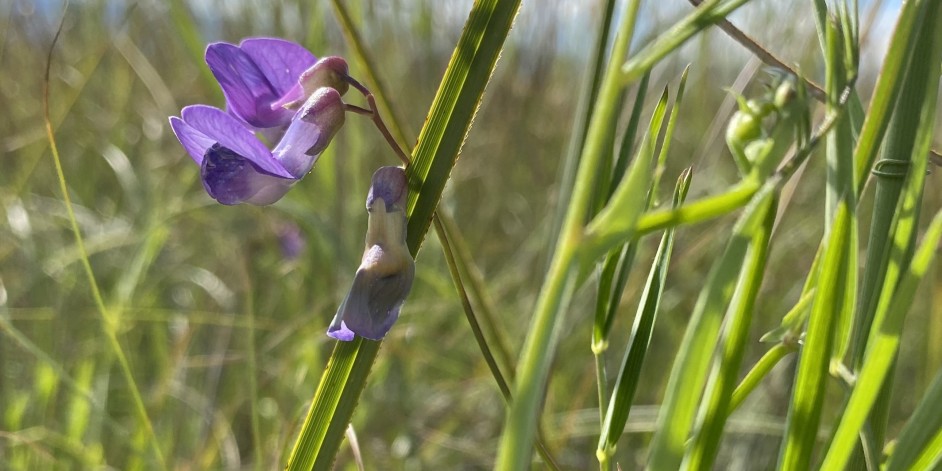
(386,270)
(278,88)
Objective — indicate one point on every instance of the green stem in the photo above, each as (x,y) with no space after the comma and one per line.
(443,237)
(758,372)
(516,440)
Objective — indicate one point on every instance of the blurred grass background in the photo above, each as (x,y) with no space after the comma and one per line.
(191,281)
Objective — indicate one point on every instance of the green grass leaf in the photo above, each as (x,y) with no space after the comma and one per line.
(695,354)
(881,353)
(808,392)
(619,405)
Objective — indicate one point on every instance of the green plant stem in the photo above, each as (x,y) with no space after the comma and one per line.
(539,348)
(109,323)
(758,372)
(444,238)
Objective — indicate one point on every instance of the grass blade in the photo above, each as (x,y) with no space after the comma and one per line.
(619,405)
(691,365)
(920,442)
(716,403)
(702,17)
(804,413)
(881,354)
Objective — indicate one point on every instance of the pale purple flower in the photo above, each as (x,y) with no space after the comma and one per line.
(386,270)
(236,167)
(275,87)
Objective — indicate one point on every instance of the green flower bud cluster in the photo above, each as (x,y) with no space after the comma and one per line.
(752,131)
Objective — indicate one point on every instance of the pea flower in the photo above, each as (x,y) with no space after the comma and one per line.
(264,79)
(275,87)
(386,270)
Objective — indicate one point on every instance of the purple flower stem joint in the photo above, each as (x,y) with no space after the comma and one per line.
(386,270)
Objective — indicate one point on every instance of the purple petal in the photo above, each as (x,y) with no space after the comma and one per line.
(310,131)
(248,92)
(294,95)
(224,129)
(390,184)
(282,62)
(339,331)
(195,142)
(231,178)
(373,303)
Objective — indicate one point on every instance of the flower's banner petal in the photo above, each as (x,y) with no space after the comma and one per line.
(231,178)
(310,131)
(224,129)
(281,61)
(390,184)
(195,142)
(248,92)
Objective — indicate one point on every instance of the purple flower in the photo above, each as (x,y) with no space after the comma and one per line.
(236,167)
(386,270)
(262,75)
(273,86)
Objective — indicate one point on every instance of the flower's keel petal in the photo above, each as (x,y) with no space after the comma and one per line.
(224,129)
(231,178)
(248,92)
(282,62)
(195,142)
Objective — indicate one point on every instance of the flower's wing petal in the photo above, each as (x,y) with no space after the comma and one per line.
(374,301)
(231,178)
(195,142)
(353,305)
(248,92)
(224,129)
(281,61)
(310,131)
(339,331)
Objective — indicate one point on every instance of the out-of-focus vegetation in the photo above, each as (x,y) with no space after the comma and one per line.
(206,297)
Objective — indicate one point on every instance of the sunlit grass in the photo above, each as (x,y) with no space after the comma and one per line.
(224,334)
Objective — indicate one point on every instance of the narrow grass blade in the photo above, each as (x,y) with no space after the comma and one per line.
(562,277)
(454,266)
(702,17)
(886,90)
(840,172)
(695,354)
(619,405)
(804,413)
(920,442)
(620,214)
(108,320)
(580,126)
(716,404)
(450,117)
(898,198)
(881,353)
